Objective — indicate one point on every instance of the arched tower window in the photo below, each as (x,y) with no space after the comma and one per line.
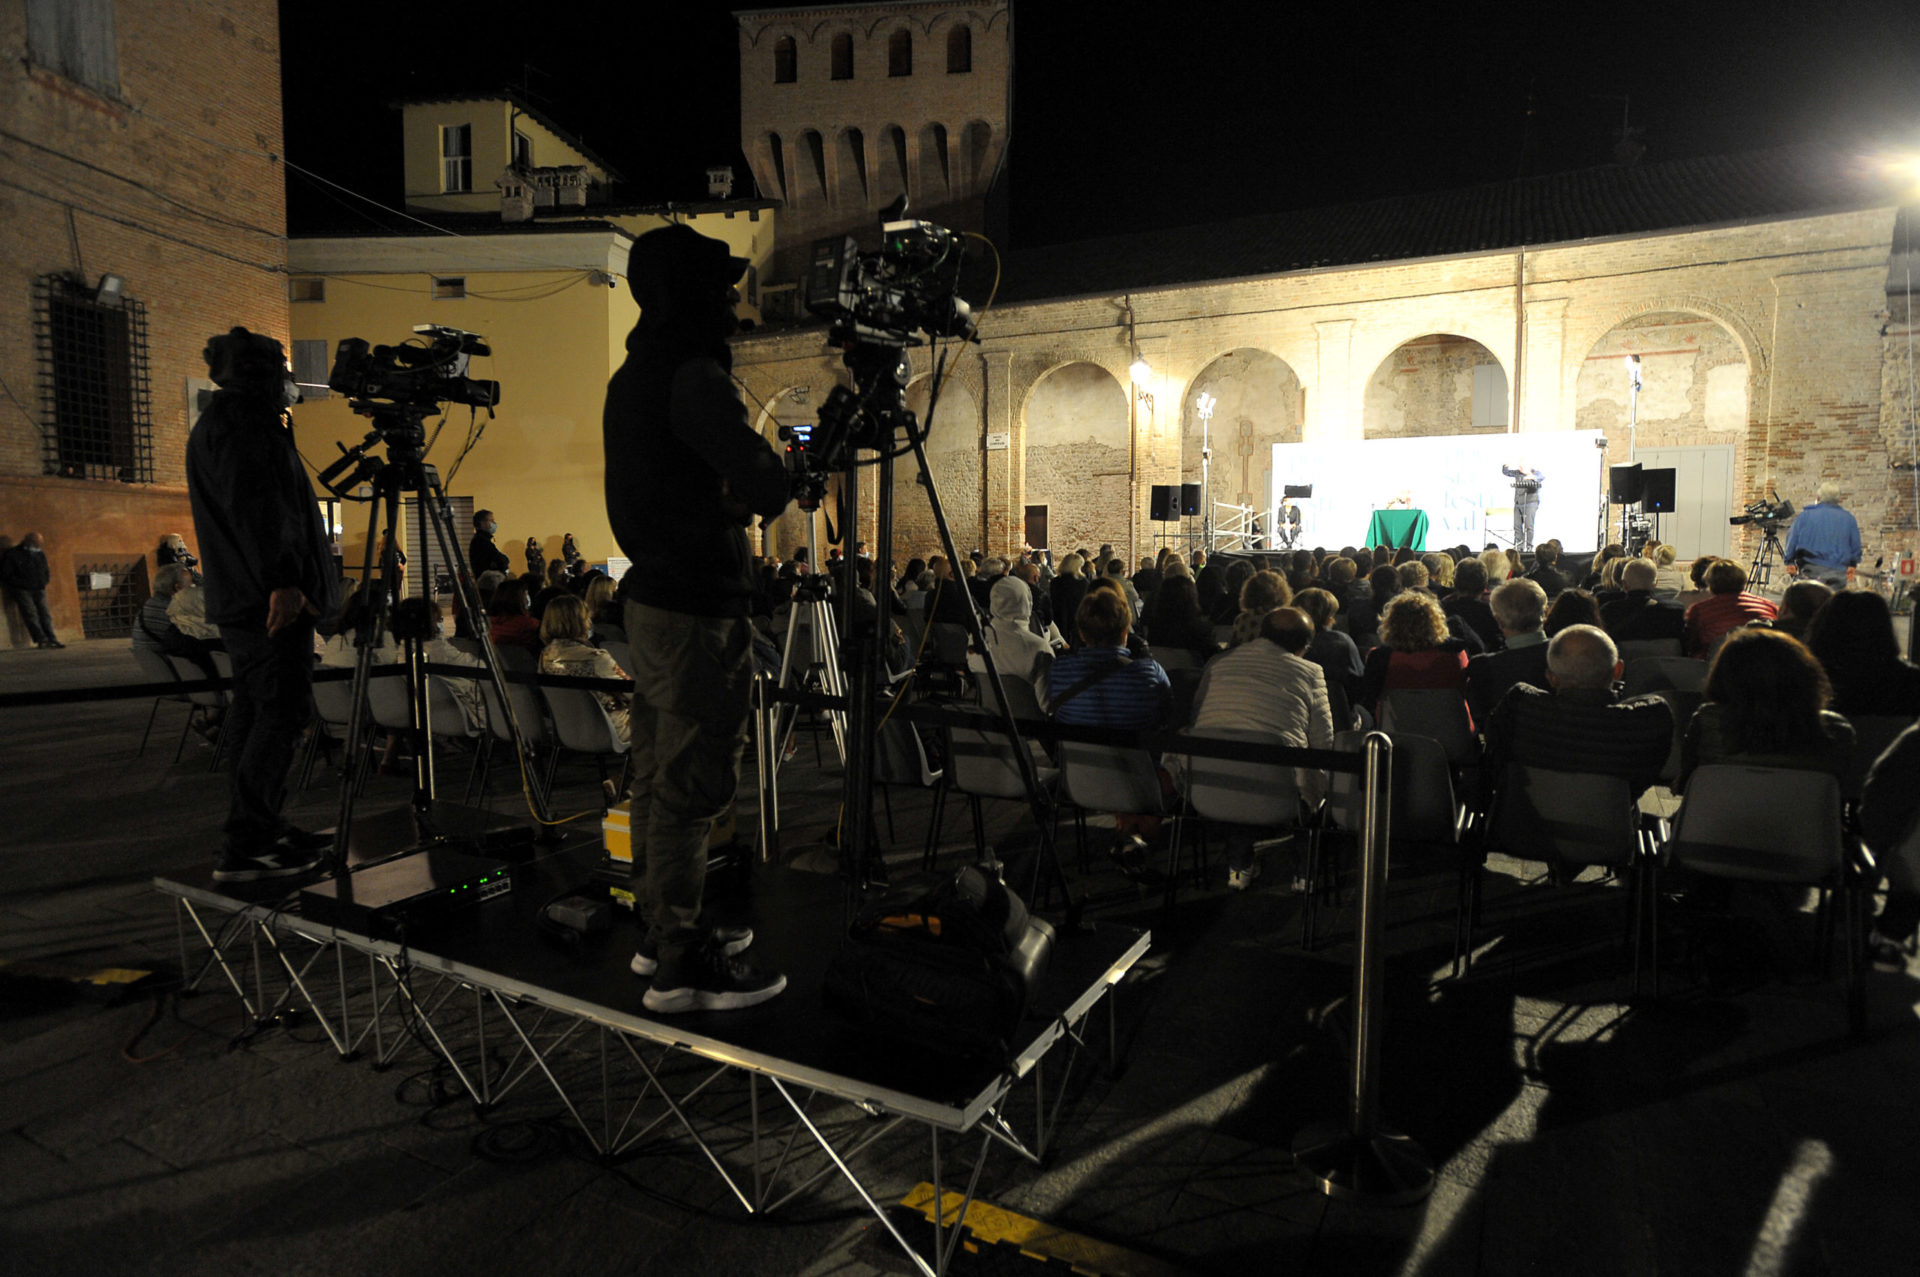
(959,50)
(842,56)
(900,53)
(786,60)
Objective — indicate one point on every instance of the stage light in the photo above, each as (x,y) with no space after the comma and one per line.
(1139,369)
(1205,405)
(1633,370)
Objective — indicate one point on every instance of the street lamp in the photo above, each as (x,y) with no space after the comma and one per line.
(1205,406)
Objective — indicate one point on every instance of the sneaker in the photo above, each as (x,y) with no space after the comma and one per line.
(708,980)
(729,940)
(294,838)
(1885,954)
(276,861)
(1241,879)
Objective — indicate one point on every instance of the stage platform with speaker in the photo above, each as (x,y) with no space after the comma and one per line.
(502,1000)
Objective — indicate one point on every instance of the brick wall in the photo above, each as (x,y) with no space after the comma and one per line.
(164,181)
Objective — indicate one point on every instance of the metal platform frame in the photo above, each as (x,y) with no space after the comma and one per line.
(275,961)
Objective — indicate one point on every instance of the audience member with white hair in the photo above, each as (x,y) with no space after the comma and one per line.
(1519,609)
(1639,614)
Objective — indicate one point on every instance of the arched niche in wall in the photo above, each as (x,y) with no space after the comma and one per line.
(953,455)
(1076,456)
(1260,403)
(1437,384)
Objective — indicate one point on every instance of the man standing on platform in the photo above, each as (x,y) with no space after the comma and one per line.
(269,577)
(1824,542)
(685,472)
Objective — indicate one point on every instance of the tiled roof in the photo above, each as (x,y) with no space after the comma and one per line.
(1553,209)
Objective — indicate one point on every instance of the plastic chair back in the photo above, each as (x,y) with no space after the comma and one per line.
(621,651)
(155,667)
(1566,818)
(982,763)
(900,757)
(471,646)
(1436,713)
(1760,824)
(1422,807)
(446,711)
(1664,674)
(1640,649)
(1241,793)
(1872,733)
(580,723)
(334,700)
(388,699)
(949,643)
(1111,779)
(1176,658)
(187,672)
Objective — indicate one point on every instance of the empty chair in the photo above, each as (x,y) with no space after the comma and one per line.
(333,707)
(982,763)
(581,725)
(1777,825)
(1113,780)
(900,760)
(524,731)
(1437,713)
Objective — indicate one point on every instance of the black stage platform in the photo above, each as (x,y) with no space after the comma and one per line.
(535,995)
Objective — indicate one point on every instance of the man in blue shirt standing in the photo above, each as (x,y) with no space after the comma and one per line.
(1824,542)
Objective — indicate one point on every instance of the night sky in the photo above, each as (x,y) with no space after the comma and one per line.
(1122,122)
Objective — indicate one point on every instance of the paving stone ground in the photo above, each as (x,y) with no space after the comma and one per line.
(1729,1126)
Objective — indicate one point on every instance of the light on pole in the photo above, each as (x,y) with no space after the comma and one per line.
(1205,406)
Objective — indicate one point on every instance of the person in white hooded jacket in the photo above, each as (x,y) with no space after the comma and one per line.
(1017,651)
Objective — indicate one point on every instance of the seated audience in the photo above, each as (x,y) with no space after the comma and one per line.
(1100,684)
(154,631)
(603,609)
(1798,603)
(1267,685)
(187,612)
(1017,651)
(1416,652)
(1640,615)
(1117,569)
(423,617)
(509,623)
(1766,706)
(342,649)
(1228,608)
(1573,606)
(1728,607)
(1363,617)
(557,576)
(1174,617)
(1852,637)
(1066,592)
(1669,580)
(1260,594)
(1136,643)
(1580,724)
(1338,577)
(1339,660)
(1546,571)
(565,650)
(1519,609)
(1499,568)
(1468,604)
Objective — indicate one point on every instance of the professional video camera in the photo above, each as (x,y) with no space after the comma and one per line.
(1768,515)
(879,302)
(421,375)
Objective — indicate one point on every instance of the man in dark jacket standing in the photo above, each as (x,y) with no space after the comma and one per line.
(482,554)
(269,577)
(24,572)
(685,472)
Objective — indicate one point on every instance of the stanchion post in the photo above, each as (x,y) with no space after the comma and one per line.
(1356,1157)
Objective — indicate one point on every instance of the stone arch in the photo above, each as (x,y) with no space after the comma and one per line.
(977,145)
(813,167)
(777,155)
(953,456)
(850,167)
(1261,403)
(1437,384)
(1078,431)
(890,165)
(936,171)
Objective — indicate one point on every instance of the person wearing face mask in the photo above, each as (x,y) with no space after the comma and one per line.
(482,554)
(685,473)
(269,577)
(24,573)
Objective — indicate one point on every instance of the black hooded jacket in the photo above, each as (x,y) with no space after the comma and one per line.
(255,515)
(678,444)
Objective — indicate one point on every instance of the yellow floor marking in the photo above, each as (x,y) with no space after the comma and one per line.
(1039,1239)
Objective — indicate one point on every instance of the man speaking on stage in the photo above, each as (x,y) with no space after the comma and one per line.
(1526,500)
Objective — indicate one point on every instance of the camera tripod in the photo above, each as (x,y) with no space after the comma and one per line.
(403,472)
(1760,573)
(810,622)
(873,416)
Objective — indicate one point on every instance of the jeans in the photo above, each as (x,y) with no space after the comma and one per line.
(33,610)
(692,682)
(270,703)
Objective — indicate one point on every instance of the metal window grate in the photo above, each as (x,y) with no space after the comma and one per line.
(110,596)
(95,388)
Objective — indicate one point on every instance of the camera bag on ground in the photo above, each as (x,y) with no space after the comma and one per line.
(946,969)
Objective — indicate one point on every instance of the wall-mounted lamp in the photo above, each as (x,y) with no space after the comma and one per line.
(1633,370)
(110,290)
